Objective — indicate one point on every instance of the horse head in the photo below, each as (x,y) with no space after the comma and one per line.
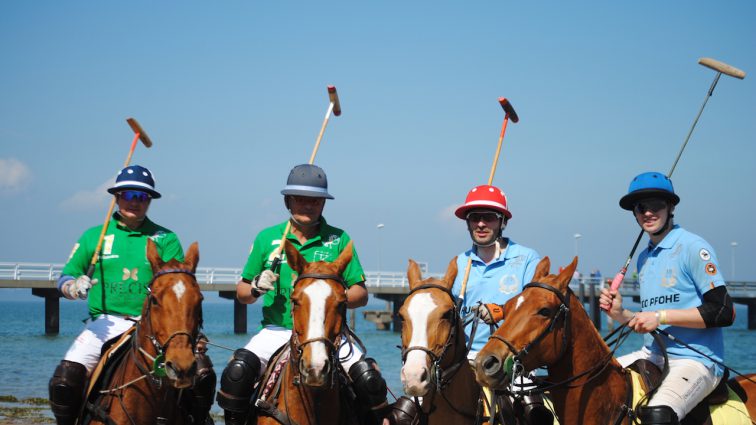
(429,322)
(535,330)
(172,316)
(318,310)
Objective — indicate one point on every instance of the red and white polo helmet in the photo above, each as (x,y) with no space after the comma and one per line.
(484,196)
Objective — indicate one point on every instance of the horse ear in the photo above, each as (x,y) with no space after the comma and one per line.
(192,257)
(293,257)
(451,273)
(153,257)
(565,276)
(413,274)
(344,258)
(542,269)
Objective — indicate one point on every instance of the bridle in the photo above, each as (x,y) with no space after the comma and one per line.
(440,376)
(158,362)
(332,346)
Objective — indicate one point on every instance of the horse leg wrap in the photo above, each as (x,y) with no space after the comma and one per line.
(237,385)
(535,411)
(657,415)
(370,386)
(67,391)
(403,412)
(203,391)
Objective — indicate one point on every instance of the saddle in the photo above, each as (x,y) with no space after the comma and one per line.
(721,406)
(112,354)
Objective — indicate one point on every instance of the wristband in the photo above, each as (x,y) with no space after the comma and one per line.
(663,317)
(255,292)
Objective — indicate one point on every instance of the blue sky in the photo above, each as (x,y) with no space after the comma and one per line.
(233,95)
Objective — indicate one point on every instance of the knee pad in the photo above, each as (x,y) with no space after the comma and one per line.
(238,381)
(67,390)
(369,385)
(661,415)
(535,411)
(403,412)
(203,391)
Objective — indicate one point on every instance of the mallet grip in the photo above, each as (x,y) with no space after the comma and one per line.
(334,97)
(138,130)
(722,67)
(508,109)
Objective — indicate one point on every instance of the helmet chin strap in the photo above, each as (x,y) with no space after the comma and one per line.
(666,225)
(300,224)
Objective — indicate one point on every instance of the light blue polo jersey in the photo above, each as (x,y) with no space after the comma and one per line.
(496,282)
(674,275)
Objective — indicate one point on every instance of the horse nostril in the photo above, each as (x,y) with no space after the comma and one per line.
(326,368)
(424,375)
(492,366)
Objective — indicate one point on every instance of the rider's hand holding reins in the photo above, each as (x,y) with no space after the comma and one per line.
(489,313)
(644,321)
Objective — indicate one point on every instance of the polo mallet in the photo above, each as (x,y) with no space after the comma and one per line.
(509,114)
(333,106)
(139,134)
(721,68)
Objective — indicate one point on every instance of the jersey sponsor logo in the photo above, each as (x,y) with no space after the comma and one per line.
(509,284)
(73,251)
(669,279)
(158,234)
(660,300)
(711,269)
(122,288)
(704,254)
(130,274)
(332,239)
(320,256)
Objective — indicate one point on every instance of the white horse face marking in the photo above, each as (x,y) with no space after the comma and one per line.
(415,372)
(317,292)
(520,300)
(179,289)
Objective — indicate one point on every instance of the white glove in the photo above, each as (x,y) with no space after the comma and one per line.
(82,285)
(78,288)
(264,282)
(484,313)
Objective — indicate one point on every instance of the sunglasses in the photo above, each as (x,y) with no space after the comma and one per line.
(488,217)
(134,195)
(653,205)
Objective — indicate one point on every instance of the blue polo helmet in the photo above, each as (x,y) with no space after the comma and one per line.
(135,177)
(651,184)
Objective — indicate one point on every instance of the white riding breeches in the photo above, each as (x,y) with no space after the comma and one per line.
(271,338)
(88,345)
(686,385)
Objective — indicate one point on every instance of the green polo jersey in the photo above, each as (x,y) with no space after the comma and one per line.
(123,270)
(326,246)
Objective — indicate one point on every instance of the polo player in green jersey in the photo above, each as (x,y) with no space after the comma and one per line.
(304,196)
(116,291)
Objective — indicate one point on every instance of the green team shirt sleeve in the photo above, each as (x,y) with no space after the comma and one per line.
(256,259)
(169,247)
(353,273)
(81,254)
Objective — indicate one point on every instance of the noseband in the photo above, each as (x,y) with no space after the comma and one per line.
(333,346)
(563,310)
(440,376)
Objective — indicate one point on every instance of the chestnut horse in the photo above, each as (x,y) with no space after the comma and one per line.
(434,352)
(546,326)
(312,379)
(160,364)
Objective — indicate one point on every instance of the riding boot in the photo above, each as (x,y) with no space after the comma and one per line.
(370,388)
(67,391)
(657,415)
(404,411)
(535,410)
(203,391)
(237,385)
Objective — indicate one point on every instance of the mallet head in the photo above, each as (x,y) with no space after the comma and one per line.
(722,67)
(508,109)
(138,130)
(334,97)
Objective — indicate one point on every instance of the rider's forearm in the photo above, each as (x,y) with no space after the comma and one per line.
(244,292)
(686,318)
(357,295)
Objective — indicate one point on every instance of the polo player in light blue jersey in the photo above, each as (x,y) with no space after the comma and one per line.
(681,291)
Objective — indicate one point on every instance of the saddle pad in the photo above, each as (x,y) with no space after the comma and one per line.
(732,412)
(278,362)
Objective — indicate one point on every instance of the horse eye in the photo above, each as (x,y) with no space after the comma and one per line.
(154,301)
(545,312)
(448,315)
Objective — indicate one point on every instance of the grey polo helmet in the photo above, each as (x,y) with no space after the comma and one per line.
(307,180)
